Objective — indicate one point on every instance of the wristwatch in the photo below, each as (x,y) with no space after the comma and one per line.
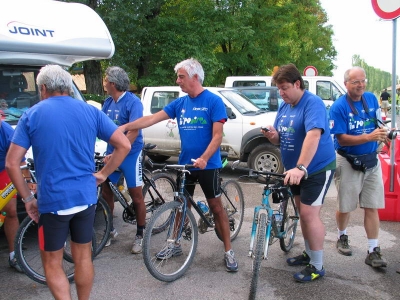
(29,198)
(304,169)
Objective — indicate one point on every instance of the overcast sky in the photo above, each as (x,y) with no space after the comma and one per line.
(358,30)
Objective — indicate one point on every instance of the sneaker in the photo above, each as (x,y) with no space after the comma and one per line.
(310,273)
(375,258)
(14,264)
(302,259)
(137,245)
(170,251)
(343,246)
(113,235)
(230,262)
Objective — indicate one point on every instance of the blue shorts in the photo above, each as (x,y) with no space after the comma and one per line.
(312,191)
(131,167)
(53,229)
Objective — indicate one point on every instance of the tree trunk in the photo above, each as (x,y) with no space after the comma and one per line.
(93,77)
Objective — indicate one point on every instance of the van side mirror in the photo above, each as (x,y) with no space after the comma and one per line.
(230,113)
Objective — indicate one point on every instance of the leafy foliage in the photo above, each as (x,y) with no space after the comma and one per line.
(377,79)
(228,37)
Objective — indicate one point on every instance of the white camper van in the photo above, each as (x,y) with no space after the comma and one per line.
(325,87)
(36,33)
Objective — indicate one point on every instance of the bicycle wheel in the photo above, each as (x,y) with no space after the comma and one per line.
(67,254)
(163,261)
(233,203)
(157,191)
(258,254)
(102,225)
(289,224)
(26,247)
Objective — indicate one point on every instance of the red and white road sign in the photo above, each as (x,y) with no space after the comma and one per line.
(386,9)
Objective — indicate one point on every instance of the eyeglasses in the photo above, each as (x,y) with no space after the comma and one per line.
(357,82)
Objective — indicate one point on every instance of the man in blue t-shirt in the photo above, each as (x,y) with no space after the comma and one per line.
(302,131)
(355,122)
(201,116)
(62,132)
(123,107)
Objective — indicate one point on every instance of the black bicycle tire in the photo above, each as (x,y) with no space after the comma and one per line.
(150,204)
(258,254)
(101,233)
(19,245)
(226,205)
(288,216)
(149,257)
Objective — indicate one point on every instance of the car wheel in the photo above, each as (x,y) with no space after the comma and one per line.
(267,158)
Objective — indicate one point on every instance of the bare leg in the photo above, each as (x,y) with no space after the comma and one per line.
(371,223)
(342,220)
(84,270)
(221,221)
(312,227)
(11,223)
(138,204)
(55,277)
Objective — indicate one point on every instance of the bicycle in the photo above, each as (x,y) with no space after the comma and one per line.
(26,246)
(181,228)
(157,190)
(270,223)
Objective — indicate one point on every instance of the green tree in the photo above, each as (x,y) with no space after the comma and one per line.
(377,79)
(229,37)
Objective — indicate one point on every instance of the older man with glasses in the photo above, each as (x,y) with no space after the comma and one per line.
(356,125)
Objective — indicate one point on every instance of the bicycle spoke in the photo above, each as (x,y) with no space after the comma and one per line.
(163,261)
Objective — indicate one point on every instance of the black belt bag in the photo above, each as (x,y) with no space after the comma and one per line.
(360,162)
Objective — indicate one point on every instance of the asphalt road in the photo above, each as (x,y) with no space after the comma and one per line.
(121,275)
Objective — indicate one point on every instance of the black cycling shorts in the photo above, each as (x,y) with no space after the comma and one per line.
(209,181)
(53,229)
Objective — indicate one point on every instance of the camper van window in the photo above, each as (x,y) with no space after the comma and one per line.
(19,92)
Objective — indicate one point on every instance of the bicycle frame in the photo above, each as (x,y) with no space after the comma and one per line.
(271,227)
(9,190)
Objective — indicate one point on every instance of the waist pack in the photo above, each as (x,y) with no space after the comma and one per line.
(361,162)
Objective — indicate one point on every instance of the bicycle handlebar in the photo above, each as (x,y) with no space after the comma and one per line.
(253,172)
(172,166)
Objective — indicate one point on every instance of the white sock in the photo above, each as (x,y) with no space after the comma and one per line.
(316,258)
(341,232)
(230,252)
(307,246)
(12,255)
(372,243)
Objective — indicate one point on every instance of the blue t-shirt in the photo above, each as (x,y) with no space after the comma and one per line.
(293,123)
(343,121)
(62,132)
(195,117)
(6,133)
(127,109)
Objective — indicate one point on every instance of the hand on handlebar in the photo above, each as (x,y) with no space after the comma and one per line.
(199,163)
(293,176)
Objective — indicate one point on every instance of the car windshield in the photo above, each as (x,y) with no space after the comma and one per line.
(264,98)
(19,92)
(241,102)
